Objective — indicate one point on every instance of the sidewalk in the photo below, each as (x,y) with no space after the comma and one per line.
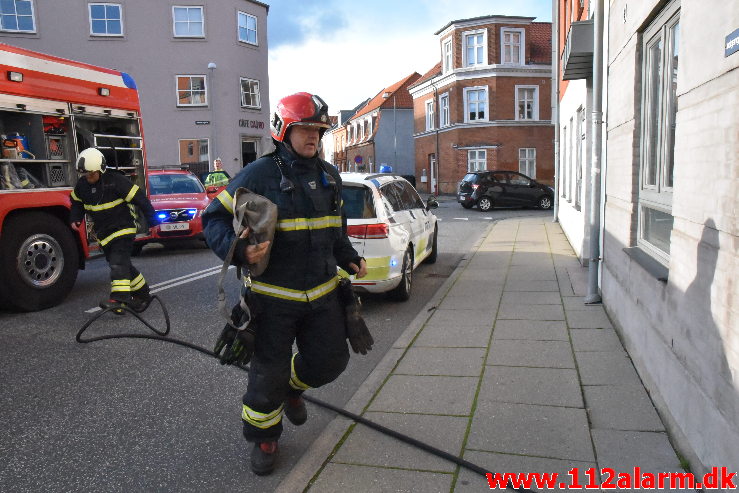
(507,369)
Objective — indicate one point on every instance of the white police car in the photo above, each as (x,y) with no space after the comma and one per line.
(391,227)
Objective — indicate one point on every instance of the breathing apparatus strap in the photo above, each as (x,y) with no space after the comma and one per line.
(241,273)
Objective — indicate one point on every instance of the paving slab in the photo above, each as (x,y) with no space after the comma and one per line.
(515,285)
(444,335)
(369,447)
(622,450)
(426,395)
(606,368)
(343,478)
(473,273)
(463,299)
(458,318)
(544,386)
(522,273)
(530,312)
(595,340)
(531,298)
(527,429)
(481,291)
(588,320)
(577,303)
(535,330)
(442,361)
(606,408)
(470,482)
(540,354)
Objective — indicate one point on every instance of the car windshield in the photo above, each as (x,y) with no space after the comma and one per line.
(358,202)
(168,184)
(471,177)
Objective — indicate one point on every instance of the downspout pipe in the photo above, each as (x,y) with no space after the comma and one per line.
(593,295)
(555,104)
(435,171)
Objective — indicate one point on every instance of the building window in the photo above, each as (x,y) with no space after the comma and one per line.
(660,51)
(106,19)
(527,162)
(191,90)
(527,102)
(430,114)
(512,43)
(565,155)
(475,48)
(188,156)
(188,22)
(247,28)
(477,160)
(17,16)
(444,110)
(250,93)
(447,55)
(476,104)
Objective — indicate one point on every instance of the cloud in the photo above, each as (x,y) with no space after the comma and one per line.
(291,22)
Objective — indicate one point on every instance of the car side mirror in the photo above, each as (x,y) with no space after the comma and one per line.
(431,203)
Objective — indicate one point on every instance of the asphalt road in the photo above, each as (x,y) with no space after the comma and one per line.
(141,415)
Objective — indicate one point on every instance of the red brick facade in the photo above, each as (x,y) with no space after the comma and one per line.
(502,135)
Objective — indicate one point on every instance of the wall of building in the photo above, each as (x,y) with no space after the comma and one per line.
(150,53)
(394,141)
(683,334)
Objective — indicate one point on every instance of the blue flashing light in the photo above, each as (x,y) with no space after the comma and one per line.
(192,212)
(162,216)
(128,80)
(393,262)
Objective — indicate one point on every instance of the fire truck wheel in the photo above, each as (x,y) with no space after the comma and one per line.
(38,261)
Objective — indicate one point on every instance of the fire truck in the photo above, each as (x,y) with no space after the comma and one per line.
(50,110)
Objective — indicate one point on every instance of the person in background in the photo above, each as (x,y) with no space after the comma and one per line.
(218,177)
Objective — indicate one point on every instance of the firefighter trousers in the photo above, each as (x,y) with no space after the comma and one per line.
(125,279)
(319,330)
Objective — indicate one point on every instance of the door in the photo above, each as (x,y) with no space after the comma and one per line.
(432,173)
(249,151)
(521,191)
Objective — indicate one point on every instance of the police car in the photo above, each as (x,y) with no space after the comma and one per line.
(392,228)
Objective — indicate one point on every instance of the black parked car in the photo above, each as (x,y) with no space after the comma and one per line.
(488,189)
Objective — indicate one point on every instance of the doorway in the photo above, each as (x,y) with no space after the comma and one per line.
(249,150)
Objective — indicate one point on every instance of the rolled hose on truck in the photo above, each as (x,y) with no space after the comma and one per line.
(162,335)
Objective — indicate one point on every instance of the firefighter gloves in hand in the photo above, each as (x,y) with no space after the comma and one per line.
(357,332)
(237,345)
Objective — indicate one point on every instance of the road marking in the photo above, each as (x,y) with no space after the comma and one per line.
(177,281)
(462,218)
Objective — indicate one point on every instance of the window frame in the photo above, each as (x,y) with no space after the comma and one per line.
(32,15)
(484,46)
(239,13)
(535,109)
(521,47)
(430,114)
(444,120)
(258,93)
(466,92)
(205,91)
(202,21)
(477,159)
(199,140)
(120,19)
(447,56)
(527,160)
(658,114)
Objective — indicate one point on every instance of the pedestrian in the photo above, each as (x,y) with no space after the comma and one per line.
(295,298)
(218,177)
(108,197)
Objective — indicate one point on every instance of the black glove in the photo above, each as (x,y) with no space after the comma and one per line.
(238,344)
(357,332)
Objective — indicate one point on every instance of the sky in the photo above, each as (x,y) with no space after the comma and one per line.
(347,51)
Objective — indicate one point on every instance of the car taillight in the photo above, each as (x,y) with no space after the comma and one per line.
(368,231)
(474,186)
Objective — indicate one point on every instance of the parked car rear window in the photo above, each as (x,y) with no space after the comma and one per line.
(358,202)
(471,177)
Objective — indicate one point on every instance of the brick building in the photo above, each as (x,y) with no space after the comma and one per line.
(486,104)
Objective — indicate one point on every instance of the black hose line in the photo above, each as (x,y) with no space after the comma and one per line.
(162,336)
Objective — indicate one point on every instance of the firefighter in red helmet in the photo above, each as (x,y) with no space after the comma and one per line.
(295,298)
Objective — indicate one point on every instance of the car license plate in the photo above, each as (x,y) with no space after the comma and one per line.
(461,197)
(174,227)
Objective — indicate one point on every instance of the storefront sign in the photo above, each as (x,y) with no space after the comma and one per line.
(251,124)
(732,43)
(202,122)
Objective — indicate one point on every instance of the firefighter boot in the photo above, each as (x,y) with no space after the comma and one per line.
(295,410)
(139,303)
(113,305)
(263,458)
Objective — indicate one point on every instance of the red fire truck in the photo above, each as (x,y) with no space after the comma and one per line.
(50,110)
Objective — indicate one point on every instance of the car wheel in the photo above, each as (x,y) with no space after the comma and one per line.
(545,202)
(466,205)
(431,259)
(136,249)
(485,204)
(403,291)
(39,262)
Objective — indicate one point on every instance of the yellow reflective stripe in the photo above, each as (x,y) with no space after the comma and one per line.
(120,285)
(102,207)
(261,420)
(137,283)
(378,269)
(308,223)
(295,294)
(225,198)
(75,197)
(295,382)
(133,191)
(109,238)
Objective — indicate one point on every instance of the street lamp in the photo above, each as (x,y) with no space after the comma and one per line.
(213,133)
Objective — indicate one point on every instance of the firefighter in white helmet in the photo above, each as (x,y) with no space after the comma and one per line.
(109,197)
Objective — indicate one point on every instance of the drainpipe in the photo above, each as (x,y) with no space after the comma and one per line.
(593,295)
(555,104)
(435,171)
